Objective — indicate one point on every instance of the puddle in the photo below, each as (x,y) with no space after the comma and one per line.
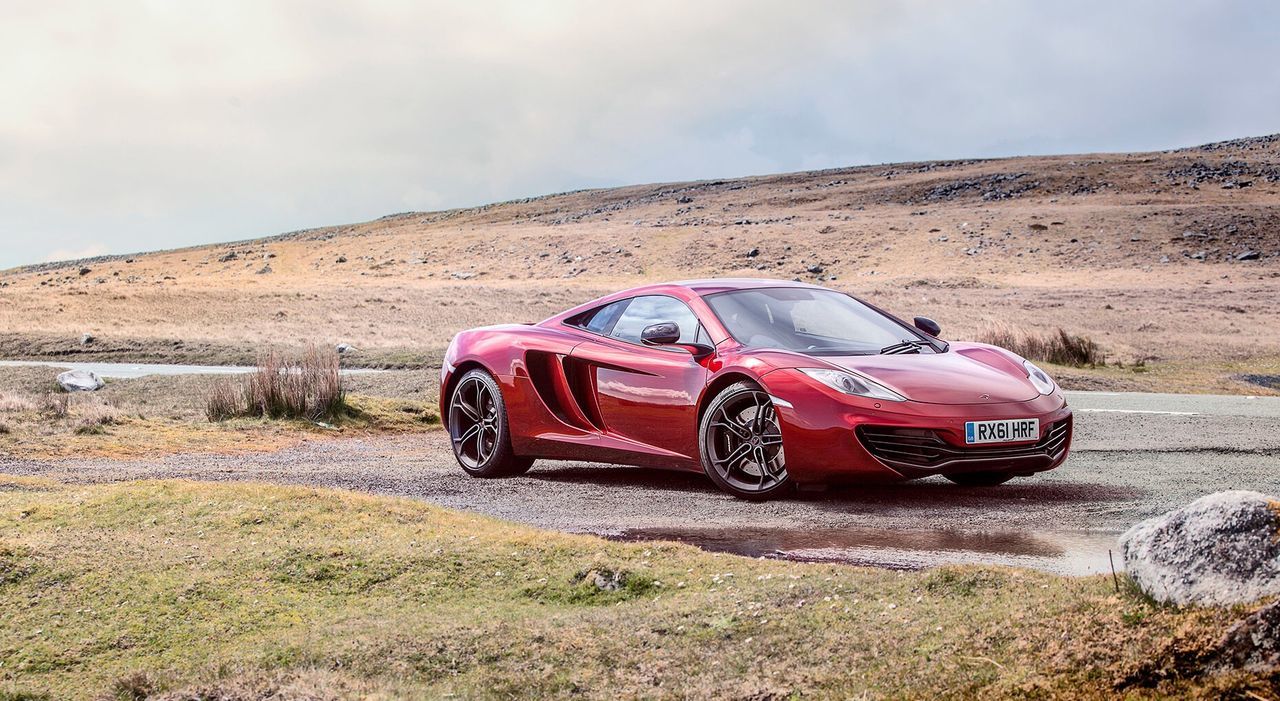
(1068,553)
(129,371)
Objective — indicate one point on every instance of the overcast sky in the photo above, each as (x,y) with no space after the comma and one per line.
(130,126)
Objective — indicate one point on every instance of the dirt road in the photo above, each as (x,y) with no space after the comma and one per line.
(1135,455)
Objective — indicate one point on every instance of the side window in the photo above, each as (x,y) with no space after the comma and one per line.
(653,309)
(601,319)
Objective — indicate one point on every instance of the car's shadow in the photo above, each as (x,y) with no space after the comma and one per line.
(926,493)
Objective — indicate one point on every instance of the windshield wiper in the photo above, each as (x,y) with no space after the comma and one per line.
(902,348)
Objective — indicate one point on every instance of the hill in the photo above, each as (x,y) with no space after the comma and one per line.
(1168,259)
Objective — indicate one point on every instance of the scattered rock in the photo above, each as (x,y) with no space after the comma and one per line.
(1219,549)
(80,381)
(1268,381)
(1253,644)
(1249,255)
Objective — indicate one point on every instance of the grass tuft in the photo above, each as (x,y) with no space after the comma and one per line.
(12,403)
(308,386)
(135,686)
(1059,348)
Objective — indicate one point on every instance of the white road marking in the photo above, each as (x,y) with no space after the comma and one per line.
(1140,411)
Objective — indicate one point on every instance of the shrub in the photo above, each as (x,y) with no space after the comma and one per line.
(1060,348)
(303,387)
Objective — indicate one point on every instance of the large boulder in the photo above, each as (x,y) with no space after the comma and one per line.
(80,381)
(1221,549)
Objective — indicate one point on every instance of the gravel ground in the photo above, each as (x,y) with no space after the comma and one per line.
(1125,467)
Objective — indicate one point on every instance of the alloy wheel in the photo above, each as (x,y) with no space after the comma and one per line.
(474,422)
(744,445)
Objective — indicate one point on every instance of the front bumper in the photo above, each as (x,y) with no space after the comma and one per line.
(831,437)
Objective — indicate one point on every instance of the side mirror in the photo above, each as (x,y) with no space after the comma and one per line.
(928,326)
(661,334)
(667,333)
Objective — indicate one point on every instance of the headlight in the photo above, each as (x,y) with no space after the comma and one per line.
(1039,378)
(849,383)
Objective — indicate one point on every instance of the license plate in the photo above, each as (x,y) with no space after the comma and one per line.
(1002,431)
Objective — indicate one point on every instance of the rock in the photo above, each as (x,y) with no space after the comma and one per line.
(227,258)
(86,339)
(1037,227)
(341,259)
(1249,255)
(684,199)
(1219,549)
(85,271)
(815,269)
(344,348)
(753,253)
(265,270)
(1253,644)
(80,381)
(463,275)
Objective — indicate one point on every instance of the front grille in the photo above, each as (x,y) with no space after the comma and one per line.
(923,449)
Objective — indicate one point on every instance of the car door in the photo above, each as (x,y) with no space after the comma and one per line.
(647,394)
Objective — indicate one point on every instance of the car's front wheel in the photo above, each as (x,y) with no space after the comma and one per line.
(478,428)
(741,443)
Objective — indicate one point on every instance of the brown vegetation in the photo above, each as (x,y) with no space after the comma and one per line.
(1059,348)
(307,386)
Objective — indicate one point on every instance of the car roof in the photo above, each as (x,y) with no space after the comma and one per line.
(686,289)
(714,285)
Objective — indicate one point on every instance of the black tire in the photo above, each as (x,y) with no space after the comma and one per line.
(740,442)
(980,479)
(478,428)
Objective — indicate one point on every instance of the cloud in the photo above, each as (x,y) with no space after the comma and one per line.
(89,251)
(153,125)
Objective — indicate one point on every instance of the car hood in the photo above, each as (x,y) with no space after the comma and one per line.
(970,374)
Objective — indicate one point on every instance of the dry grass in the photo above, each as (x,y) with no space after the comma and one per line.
(12,402)
(249,590)
(1059,348)
(56,404)
(308,387)
(92,418)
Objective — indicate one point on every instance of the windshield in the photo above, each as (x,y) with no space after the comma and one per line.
(820,322)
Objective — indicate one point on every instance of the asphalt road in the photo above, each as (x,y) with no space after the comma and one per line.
(1134,456)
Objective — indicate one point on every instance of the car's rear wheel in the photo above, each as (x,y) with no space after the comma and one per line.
(980,479)
(478,428)
(741,443)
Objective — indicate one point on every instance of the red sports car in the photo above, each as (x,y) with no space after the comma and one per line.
(763,385)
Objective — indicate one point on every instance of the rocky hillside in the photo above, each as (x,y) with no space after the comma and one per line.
(1209,204)
(1166,256)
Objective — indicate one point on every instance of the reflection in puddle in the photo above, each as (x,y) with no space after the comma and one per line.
(1070,553)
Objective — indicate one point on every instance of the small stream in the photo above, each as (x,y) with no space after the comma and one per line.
(128,371)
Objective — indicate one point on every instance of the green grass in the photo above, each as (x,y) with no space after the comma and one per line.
(132,589)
